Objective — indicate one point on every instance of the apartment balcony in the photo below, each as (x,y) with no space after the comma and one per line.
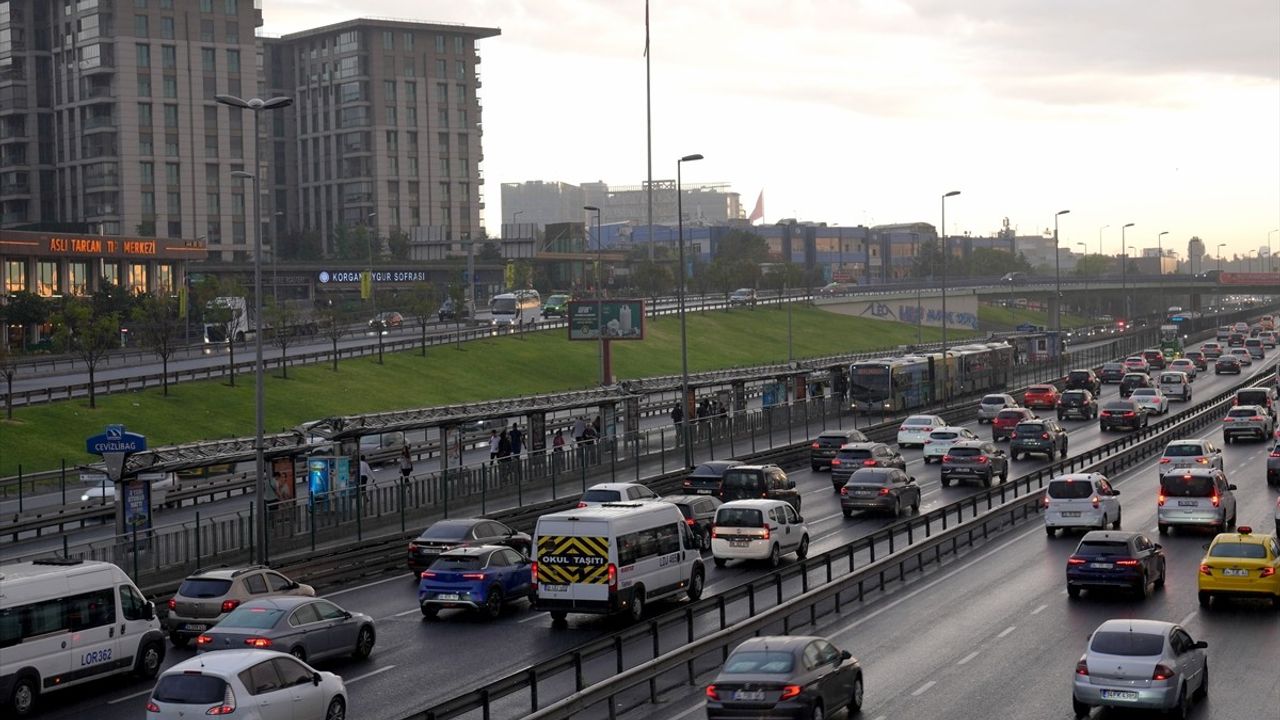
(99,123)
(12,188)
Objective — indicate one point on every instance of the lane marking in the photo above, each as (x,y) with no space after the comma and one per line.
(532,616)
(367,675)
(407,612)
(1038,610)
(130,697)
(1006,631)
(1190,616)
(924,688)
(688,712)
(969,657)
(397,578)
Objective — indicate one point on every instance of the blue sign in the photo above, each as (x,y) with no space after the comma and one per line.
(116,440)
(1026,327)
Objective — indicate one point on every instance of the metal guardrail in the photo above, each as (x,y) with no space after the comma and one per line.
(802,588)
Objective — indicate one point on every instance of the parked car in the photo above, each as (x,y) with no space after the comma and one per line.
(699,514)
(1122,414)
(759,481)
(602,493)
(1249,421)
(444,535)
(1241,564)
(1196,497)
(1189,453)
(1041,397)
(1084,379)
(759,529)
(1038,437)
(1006,420)
(785,676)
(743,296)
(885,489)
(1112,373)
(974,459)
(206,597)
(1151,400)
(219,683)
(991,405)
(916,428)
(705,479)
(308,628)
(942,439)
(1227,365)
(828,443)
(484,578)
(1132,381)
(1199,358)
(1081,500)
(1115,560)
(1078,403)
(858,455)
(1140,664)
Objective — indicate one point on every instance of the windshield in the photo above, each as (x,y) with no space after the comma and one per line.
(189,689)
(601,496)
(504,306)
(1070,489)
(993,400)
(1127,643)
(754,662)
(204,588)
(869,384)
(1183,451)
(259,618)
(1186,486)
(1251,551)
(557,299)
(739,517)
(458,562)
(1100,547)
(215,333)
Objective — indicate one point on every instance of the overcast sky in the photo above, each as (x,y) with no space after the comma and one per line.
(1165,114)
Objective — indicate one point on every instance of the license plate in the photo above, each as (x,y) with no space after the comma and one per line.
(962,470)
(738,543)
(1188,503)
(195,627)
(1232,572)
(553,588)
(1120,694)
(448,596)
(1071,513)
(1101,566)
(702,492)
(749,695)
(866,492)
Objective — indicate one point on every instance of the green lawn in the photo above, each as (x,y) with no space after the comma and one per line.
(501,367)
(1000,318)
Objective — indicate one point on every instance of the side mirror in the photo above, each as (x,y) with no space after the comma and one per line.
(799,519)
(315,678)
(791,484)
(1200,645)
(1157,546)
(291,586)
(1217,451)
(911,478)
(1231,487)
(149,611)
(846,655)
(1115,493)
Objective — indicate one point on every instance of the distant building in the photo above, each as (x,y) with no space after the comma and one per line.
(551,202)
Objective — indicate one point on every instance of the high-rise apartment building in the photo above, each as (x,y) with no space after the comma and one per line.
(548,202)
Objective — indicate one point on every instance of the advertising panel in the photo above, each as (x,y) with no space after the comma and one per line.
(622,319)
(282,474)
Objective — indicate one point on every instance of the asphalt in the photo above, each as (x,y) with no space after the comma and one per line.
(911,641)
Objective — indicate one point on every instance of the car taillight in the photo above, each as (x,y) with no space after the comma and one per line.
(581,504)
(904,428)
(1013,435)
(229,605)
(413,547)
(884,491)
(1082,667)
(1160,499)
(1206,570)
(1127,563)
(815,446)
(258,642)
(1215,500)
(533,574)
(1267,572)
(1073,560)
(715,532)
(790,691)
(152,707)
(204,640)
(765,535)
(868,463)
(689,521)
(427,575)
(1130,413)
(688,483)
(1045,501)
(835,462)
(473,576)
(928,442)
(712,694)
(228,705)
(1256,417)
(1044,436)
(613,577)
(1202,460)
(1165,461)
(1274,453)
(1162,672)
(946,458)
(982,459)
(844,491)
(173,603)
(1096,502)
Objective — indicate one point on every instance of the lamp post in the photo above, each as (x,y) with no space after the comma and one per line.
(604,367)
(1271,263)
(1104,227)
(946,379)
(684,341)
(1124,275)
(1220,246)
(275,253)
(257,105)
(1057,279)
(373,298)
(1084,252)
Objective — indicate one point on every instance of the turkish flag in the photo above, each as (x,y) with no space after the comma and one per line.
(758,212)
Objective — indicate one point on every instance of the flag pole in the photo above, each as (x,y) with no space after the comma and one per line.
(648,128)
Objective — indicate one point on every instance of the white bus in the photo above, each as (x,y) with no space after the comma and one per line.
(516,308)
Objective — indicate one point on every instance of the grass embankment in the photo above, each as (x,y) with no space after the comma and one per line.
(991,318)
(487,369)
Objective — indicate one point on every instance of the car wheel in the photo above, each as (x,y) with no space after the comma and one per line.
(847,512)
(946,481)
(720,562)
(1141,588)
(22,699)
(364,643)
(1063,452)
(429,612)
(149,660)
(816,713)
(1080,709)
(705,544)
(1203,691)
(896,512)
(1073,592)
(178,641)
(1004,474)
(1204,598)
(337,710)
(1115,525)
(697,581)
(1163,528)
(299,652)
(559,618)
(803,551)
(915,505)
(636,610)
(493,603)
(1050,531)
(775,556)
(855,698)
(986,481)
(1181,711)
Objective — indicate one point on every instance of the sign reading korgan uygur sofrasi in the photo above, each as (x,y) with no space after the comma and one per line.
(621,319)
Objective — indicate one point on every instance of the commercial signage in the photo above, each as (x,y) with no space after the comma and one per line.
(327,476)
(14,242)
(137,504)
(116,440)
(341,277)
(282,474)
(1251,278)
(621,319)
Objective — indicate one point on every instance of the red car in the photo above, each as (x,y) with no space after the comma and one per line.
(1041,396)
(1006,420)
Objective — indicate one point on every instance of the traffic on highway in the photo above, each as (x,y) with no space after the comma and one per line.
(1130,588)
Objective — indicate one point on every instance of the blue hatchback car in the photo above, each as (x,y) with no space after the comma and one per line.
(482,578)
(1115,560)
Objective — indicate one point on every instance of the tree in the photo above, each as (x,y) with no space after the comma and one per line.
(398,244)
(786,275)
(651,277)
(742,245)
(157,324)
(27,310)
(422,306)
(224,322)
(8,369)
(333,323)
(928,260)
(522,275)
(304,245)
(489,253)
(1093,265)
(990,261)
(283,321)
(87,335)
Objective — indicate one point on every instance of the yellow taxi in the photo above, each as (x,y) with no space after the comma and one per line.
(1241,564)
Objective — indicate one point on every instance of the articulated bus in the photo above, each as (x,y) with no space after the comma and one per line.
(914,381)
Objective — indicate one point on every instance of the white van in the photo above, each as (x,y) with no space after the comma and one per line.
(1081,500)
(758,529)
(613,558)
(66,622)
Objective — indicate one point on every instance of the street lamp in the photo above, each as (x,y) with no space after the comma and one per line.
(604,375)
(946,380)
(1124,274)
(684,342)
(257,105)
(1104,227)
(1271,263)
(1160,267)
(1057,278)
(1084,252)
(368,236)
(1220,246)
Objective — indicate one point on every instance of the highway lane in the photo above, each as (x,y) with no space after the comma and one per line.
(994,635)
(476,650)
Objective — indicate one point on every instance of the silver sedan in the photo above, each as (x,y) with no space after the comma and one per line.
(310,629)
(991,405)
(1145,664)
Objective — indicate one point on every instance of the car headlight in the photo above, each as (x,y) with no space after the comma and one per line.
(84,498)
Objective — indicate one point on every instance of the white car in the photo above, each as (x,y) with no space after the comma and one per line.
(758,530)
(916,429)
(1185,365)
(1268,339)
(602,493)
(1183,454)
(1242,355)
(1140,664)
(991,405)
(1173,384)
(259,683)
(941,440)
(1154,401)
(1081,500)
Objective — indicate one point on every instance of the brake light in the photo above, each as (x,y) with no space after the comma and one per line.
(1268,572)
(815,446)
(715,532)
(1045,500)
(1165,461)
(1256,417)
(946,458)
(152,707)
(981,459)
(1082,667)
(581,504)
(1206,570)
(533,574)
(1127,563)
(1096,502)
(928,442)
(884,491)
(1162,672)
(1044,436)
(1215,499)
(1130,413)
(473,576)
(229,605)
(1160,499)
(173,603)
(1202,460)
(790,691)
(868,463)
(1073,560)
(204,640)
(613,577)
(902,429)
(711,693)
(835,462)
(1013,435)
(258,642)
(228,705)
(1274,453)
(413,547)
(844,491)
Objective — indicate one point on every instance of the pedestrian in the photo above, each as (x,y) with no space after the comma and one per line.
(595,425)
(579,429)
(517,440)
(366,475)
(493,446)
(557,442)
(504,447)
(406,463)
(677,414)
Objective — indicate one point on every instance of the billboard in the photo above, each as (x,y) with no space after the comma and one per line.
(622,319)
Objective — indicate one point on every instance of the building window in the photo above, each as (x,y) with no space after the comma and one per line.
(206,6)
(442,68)
(233,33)
(140,27)
(148,173)
(144,115)
(211,201)
(389,90)
(166,28)
(411,92)
(110,273)
(208,59)
(459,45)
(237,204)
(233,61)
(145,146)
(144,85)
(171,117)
(171,174)
(388,40)
(137,282)
(408,41)
(168,57)
(460,70)
(148,203)
(171,145)
(78,278)
(462,118)
(206,30)
(174,203)
(15,276)
(442,92)
(171,86)
(391,115)
(231,7)
(439,43)
(144,56)
(442,117)
(413,167)
(47,278)
(175,229)
(164,276)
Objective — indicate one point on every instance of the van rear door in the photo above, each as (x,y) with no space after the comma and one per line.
(573,560)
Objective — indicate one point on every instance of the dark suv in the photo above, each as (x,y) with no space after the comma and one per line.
(1113,372)
(857,455)
(885,489)
(1042,437)
(1084,380)
(705,479)
(826,445)
(1079,404)
(1006,420)
(976,460)
(1132,381)
(748,482)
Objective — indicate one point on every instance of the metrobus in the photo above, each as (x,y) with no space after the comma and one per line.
(915,381)
(516,308)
